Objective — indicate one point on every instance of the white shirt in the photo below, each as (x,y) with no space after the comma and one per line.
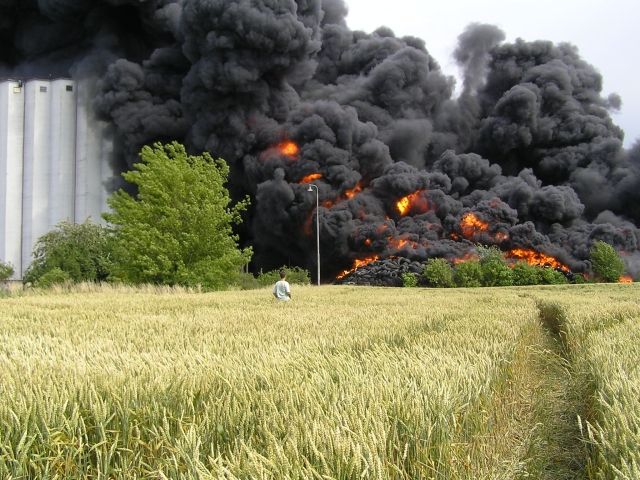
(282,290)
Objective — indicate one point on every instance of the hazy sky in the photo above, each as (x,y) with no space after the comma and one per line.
(606,32)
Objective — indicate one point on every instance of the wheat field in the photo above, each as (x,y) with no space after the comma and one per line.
(341,383)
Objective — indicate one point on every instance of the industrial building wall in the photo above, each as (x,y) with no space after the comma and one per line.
(36,185)
(55,162)
(11,158)
(62,156)
(94,158)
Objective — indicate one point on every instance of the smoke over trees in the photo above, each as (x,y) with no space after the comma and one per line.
(526,157)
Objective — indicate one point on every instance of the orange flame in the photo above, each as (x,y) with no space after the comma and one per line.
(502,236)
(399,243)
(354,191)
(414,201)
(536,258)
(311,177)
(465,258)
(471,225)
(358,263)
(346,195)
(626,279)
(288,148)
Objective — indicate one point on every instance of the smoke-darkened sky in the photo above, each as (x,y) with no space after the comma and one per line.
(523,153)
(605,32)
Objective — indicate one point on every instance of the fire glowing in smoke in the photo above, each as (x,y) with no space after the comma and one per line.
(289,148)
(399,243)
(536,258)
(626,279)
(414,201)
(471,225)
(501,236)
(311,177)
(359,263)
(346,195)
(469,256)
(354,191)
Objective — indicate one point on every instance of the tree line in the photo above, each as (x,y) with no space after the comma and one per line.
(491,269)
(177,229)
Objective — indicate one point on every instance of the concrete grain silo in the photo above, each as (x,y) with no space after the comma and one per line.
(11,173)
(55,162)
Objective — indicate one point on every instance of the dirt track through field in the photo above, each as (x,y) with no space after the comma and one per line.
(548,403)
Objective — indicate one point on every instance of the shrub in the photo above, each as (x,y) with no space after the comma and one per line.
(438,273)
(298,276)
(52,277)
(579,279)
(549,276)
(82,250)
(6,270)
(468,274)
(605,262)
(245,281)
(295,275)
(409,280)
(525,274)
(495,271)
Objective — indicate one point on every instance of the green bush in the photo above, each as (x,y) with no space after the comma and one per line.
(549,276)
(55,276)
(6,270)
(495,271)
(438,273)
(579,279)
(468,274)
(82,250)
(606,263)
(245,281)
(295,275)
(525,274)
(409,280)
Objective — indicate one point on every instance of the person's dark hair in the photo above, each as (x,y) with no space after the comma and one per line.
(283,273)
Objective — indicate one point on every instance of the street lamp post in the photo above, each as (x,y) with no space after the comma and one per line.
(310,189)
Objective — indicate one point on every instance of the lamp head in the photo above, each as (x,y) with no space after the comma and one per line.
(309,189)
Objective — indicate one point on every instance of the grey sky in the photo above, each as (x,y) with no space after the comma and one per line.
(606,33)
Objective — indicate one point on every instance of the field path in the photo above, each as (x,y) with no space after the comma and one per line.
(559,400)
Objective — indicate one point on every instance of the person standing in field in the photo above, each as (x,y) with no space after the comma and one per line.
(282,290)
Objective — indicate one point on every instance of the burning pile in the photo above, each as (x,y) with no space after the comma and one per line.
(527,158)
(380,272)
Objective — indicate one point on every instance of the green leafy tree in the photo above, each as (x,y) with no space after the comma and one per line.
(178,229)
(605,262)
(525,274)
(82,251)
(495,271)
(6,270)
(438,273)
(468,274)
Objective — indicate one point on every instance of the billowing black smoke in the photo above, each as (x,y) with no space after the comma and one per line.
(526,156)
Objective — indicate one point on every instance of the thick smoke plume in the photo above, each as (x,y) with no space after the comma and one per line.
(526,157)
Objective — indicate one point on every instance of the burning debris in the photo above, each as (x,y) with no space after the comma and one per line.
(527,158)
(381,272)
